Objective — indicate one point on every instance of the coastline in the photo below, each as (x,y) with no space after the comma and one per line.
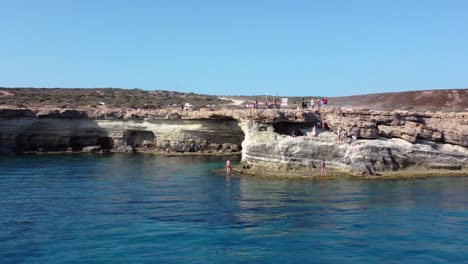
(240,169)
(155,153)
(273,143)
(341,174)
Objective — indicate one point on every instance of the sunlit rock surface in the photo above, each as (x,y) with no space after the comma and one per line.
(266,151)
(387,141)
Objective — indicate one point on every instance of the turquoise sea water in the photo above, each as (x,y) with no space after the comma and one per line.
(126,208)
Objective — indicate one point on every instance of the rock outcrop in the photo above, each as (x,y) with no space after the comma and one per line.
(271,141)
(83,131)
(436,127)
(265,151)
(388,141)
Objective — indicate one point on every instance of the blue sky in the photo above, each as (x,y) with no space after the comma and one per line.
(236,47)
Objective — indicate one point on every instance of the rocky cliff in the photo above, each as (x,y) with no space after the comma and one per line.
(264,150)
(387,141)
(76,130)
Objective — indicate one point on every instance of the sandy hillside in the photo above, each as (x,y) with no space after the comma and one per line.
(445,100)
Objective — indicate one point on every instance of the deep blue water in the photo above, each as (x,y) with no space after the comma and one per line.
(126,208)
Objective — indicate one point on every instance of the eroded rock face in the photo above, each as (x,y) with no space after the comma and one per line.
(436,127)
(354,124)
(265,150)
(389,141)
(54,134)
(401,141)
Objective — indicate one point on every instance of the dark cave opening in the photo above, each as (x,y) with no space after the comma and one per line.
(287,128)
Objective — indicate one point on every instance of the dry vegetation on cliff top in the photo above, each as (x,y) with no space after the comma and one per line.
(432,100)
(112,97)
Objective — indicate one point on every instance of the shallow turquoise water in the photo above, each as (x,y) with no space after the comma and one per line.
(144,209)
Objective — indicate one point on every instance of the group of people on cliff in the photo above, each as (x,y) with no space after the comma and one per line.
(321,102)
(266,104)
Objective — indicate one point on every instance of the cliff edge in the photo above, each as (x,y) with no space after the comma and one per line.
(276,142)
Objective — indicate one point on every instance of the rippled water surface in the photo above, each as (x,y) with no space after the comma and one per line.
(148,209)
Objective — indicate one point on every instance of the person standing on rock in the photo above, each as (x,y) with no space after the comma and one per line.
(344,135)
(324,167)
(274,102)
(228,166)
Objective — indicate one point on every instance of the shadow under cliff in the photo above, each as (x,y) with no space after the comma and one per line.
(80,133)
(23,134)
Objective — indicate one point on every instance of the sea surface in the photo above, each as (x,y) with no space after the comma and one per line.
(135,208)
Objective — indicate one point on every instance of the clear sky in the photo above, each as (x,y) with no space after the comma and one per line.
(223,47)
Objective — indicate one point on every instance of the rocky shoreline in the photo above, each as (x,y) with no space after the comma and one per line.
(272,142)
(315,175)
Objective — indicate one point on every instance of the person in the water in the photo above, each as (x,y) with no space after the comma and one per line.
(228,166)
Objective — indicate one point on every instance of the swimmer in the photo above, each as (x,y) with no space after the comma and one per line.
(228,166)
